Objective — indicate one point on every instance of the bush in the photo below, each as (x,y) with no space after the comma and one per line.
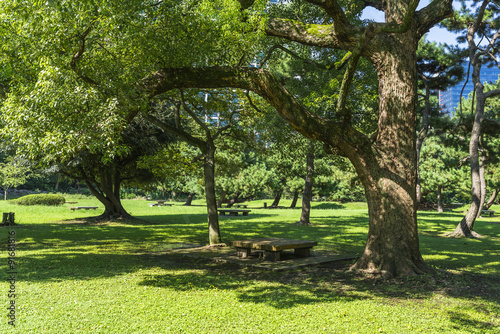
(41,199)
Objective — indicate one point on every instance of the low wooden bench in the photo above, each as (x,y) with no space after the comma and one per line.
(241,205)
(160,203)
(273,247)
(73,208)
(491,213)
(233,212)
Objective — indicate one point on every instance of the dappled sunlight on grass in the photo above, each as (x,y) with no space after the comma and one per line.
(127,276)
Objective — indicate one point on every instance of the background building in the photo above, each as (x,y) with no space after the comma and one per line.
(450,99)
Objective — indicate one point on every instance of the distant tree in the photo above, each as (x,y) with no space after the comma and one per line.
(439,67)
(105,177)
(477,21)
(12,174)
(437,167)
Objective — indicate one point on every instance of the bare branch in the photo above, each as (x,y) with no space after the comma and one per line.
(175,131)
(247,93)
(193,115)
(78,56)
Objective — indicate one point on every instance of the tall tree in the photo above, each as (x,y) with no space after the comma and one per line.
(479,21)
(439,66)
(13,173)
(196,108)
(385,161)
(128,68)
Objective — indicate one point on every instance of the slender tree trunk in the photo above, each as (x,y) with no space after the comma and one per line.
(5,194)
(213,219)
(233,200)
(189,199)
(439,199)
(423,133)
(295,199)
(221,199)
(466,226)
(482,177)
(307,196)
(492,199)
(277,198)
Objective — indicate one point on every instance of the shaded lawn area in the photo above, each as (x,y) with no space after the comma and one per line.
(76,275)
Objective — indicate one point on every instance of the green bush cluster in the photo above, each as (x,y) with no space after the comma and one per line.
(41,199)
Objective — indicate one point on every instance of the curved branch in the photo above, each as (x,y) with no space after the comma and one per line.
(175,131)
(79,55)
(333,8)
(261,82)
(320,35)
(432,14)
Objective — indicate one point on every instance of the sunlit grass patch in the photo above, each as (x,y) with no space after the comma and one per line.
(76,275)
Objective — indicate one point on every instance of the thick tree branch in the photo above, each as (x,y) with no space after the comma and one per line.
(377,4)
(264,84)
(312,34)
(175,131)
(332,8)
(432,14)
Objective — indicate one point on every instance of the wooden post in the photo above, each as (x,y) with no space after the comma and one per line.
(8,218)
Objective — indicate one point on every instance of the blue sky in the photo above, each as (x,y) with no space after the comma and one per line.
(435,34)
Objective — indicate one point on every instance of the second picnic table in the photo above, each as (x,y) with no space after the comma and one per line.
(160,203)
(233,212)
(272,247)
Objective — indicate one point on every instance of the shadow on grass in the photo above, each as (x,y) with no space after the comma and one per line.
(320,284)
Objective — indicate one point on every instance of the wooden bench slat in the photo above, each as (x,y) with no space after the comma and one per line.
(273,244)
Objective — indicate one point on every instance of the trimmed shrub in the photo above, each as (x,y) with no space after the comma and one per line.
(41,199)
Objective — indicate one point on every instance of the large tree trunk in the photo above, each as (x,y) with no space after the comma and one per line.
(389,171)
(307,196)
(213,219)
(294,199)
(107,191)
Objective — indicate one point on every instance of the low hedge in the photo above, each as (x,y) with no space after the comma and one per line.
(41,199)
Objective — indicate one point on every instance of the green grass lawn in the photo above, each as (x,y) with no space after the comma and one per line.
(76,276)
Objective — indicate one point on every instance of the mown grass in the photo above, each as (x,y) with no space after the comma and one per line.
(75,275)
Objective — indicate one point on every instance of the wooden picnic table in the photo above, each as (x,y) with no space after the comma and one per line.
(490,212)
(273,247)
(73,208)
(160,203)
(233,212)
